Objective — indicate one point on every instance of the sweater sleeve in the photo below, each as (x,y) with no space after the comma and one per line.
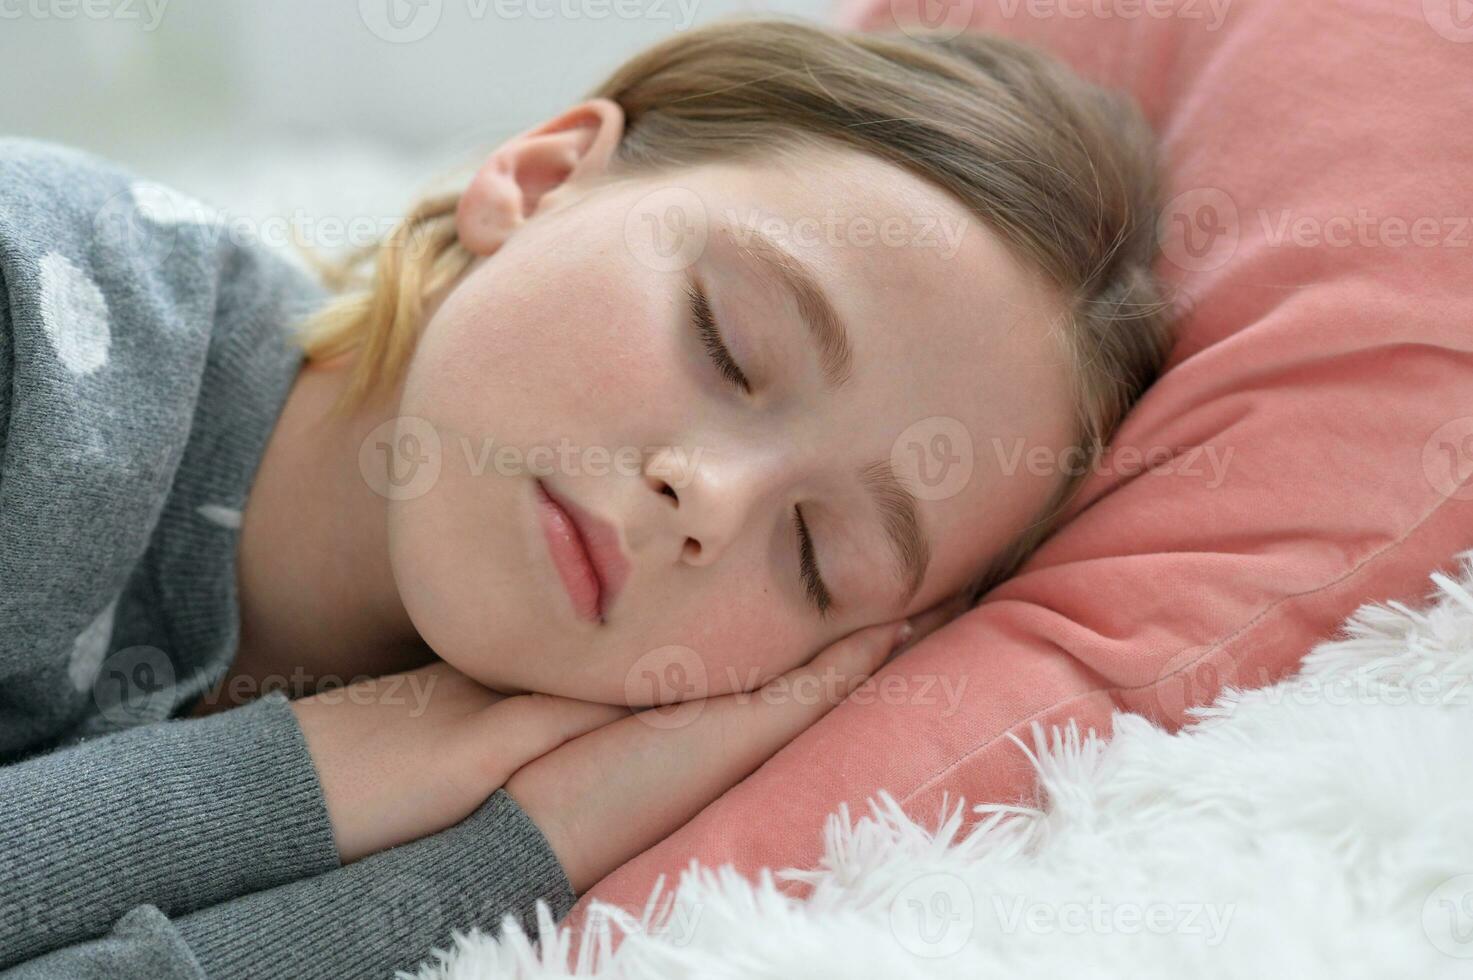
(144,359)
(181,815)
(124,346)
(387,912)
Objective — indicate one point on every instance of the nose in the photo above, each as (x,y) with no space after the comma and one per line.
(709,497)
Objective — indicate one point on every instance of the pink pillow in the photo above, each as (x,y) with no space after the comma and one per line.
(1312,441)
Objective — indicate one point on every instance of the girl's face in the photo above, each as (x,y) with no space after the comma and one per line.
(874,361)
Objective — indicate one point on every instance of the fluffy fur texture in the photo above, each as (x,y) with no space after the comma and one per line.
(1321,827)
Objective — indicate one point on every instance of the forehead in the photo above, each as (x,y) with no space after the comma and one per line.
(924,283)
(959,367)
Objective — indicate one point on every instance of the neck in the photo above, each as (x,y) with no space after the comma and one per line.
(319,605)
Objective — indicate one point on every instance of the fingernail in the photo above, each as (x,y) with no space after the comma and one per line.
(905,632)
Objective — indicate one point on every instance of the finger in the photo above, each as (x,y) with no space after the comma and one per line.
(939,615)
(514,731)
(454,692)
(929,620)
(673,761)
(847,662)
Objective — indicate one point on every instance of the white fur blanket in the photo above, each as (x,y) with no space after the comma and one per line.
(1322,827)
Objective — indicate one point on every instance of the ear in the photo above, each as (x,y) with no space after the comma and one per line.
(527,172)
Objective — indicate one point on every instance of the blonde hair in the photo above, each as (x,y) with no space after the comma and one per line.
(1065,172)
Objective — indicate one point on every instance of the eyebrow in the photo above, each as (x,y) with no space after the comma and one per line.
(825,329)
(898,514)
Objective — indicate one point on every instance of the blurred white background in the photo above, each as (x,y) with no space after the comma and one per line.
(342,107)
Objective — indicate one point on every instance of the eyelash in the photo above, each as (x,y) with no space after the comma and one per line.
(705,325)
(813,584)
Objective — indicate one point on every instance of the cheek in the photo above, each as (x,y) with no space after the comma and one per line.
(746,639)
(728,635)
(584,354)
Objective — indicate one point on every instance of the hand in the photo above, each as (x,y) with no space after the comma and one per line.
(407,755)
(605,797)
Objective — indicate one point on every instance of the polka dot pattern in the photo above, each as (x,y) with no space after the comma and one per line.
(90,649)
(74,315)
(220,514)
(165,206)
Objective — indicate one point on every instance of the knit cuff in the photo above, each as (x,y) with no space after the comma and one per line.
(181,815)
(142,946)
(389,910)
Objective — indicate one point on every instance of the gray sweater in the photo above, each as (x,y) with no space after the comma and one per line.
(145,355)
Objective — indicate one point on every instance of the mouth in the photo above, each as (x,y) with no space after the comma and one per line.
(585,552)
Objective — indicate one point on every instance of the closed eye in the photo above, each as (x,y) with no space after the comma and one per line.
(813,584)
(705,324)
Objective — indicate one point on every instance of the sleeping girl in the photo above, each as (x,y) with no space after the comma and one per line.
(602,477)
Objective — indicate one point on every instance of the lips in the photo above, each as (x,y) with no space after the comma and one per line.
(585,551)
